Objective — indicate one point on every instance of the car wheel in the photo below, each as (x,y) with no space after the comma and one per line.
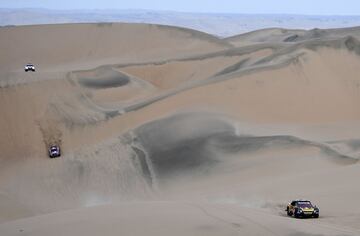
(288,212)
(296,214)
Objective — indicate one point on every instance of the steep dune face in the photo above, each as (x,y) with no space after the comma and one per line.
(180,116)
(285,94)
(174,148)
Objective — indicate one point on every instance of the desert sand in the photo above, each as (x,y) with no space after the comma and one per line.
(171,131)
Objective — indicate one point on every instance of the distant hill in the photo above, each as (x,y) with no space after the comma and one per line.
(223,25)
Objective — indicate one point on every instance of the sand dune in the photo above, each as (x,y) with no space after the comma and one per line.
(191,219)
(274,35)
(278,35)
(102,43)
(178,131)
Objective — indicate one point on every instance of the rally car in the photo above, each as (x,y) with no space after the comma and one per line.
(29,67)
(302,208)
(54,151)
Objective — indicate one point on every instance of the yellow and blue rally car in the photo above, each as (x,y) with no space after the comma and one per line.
(302,208)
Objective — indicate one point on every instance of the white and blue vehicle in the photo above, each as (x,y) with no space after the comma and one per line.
(29,67)
(54,151)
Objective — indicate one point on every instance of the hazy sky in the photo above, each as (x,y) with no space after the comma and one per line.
(310,7)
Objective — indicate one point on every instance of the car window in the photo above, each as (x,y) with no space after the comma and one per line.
(304,204)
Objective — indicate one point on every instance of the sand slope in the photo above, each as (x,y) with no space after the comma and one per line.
(161,218)
(102,43)
(278,35)
(205,135)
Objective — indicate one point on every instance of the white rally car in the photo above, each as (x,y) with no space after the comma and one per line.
(29,67)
